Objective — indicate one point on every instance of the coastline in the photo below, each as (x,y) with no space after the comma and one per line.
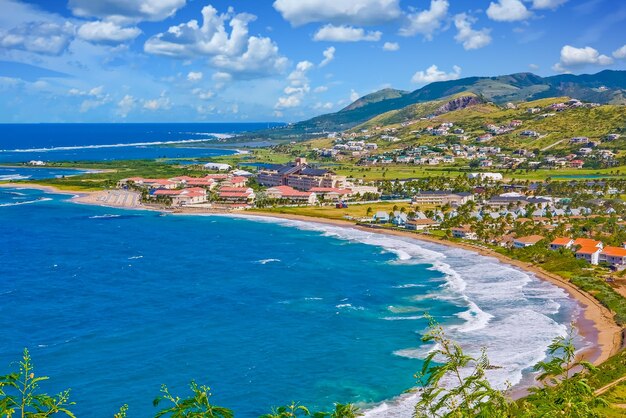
(594,323)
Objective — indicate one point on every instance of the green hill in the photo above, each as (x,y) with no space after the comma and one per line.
(606,87)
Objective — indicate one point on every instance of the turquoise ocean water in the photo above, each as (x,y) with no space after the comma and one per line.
(114,303)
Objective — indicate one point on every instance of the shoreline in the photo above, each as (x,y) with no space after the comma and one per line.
(594,322)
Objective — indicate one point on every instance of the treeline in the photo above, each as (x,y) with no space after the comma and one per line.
(452,384)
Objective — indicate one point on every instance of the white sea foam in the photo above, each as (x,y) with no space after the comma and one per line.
(268,260)
(349,306)
(122,145)
(26,202)
(504,309)
(135,257)
(10,177)
(403,318)
(105,216)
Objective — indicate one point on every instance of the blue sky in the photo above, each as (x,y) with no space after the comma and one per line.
(277,60)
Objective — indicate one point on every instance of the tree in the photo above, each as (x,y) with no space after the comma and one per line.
(197,406)
(19,394)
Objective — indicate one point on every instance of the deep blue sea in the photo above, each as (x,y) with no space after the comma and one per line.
(115,303)
(96,142)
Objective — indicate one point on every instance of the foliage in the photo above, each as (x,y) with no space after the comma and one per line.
(605,294)
(20,395)
(196,406)
(563,392)
(469,395)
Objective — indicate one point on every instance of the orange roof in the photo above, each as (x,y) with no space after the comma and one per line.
(561,241)
(586,242)
(614,251)
(531,239)
(588,250)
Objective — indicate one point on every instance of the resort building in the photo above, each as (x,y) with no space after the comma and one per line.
(528,241)
(236,194)
(440,198)
(464,232)
(615,256)
(331,193)
(559,243)
(485,176)
(299,176)
(182,197)
(589,254)
(587,242)
(381,216)
(291,194)
(217,166)
(420,224)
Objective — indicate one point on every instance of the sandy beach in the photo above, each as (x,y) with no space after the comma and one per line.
(596,323)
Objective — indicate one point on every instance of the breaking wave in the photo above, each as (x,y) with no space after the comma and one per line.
(121,145)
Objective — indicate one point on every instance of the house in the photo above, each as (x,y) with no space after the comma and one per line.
(528,241)
(236,181)
(420,224)
(399,218)
(217,166)
(589,254)
(291,194)
(382,217)
(464,232)
(559,243)
(615,256)
(485,176)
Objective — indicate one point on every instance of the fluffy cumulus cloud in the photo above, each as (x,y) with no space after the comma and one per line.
(548,4)
(620,53)
(161,103)
(391,46)
(329,55)
(194,76)
(572,57)
(332,33)
(123,11)
(355,12)
(508,11)
(126,105)
(467,36)
(101,31)
(40,37)
(426,22)
(433,74)
(298,87)
(234,53)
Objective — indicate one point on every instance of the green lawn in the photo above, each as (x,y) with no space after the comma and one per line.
(330,212)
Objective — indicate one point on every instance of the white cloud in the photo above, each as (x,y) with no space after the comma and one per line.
(470,38)
(234,53)
(323,106)
(356,12)
(508,11)
(125,11)
(533,67)
(426,22)
(329,55)
(320,89)
(433,74)
(162,103)
(40,37)
(391,46)
(620,53)
(572,57)
(345,34)
(548,4)
(202,94)
(107,32)
(194,76)
(126,105)
(298,87)
(354,96)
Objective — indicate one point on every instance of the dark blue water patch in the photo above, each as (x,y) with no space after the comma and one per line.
(97,142)
(36,173)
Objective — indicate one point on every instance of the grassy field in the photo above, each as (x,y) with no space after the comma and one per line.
(330,212)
